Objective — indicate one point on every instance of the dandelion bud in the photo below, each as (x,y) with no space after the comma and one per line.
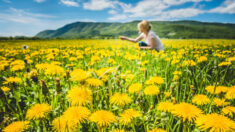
(191,86)
(67,74)
(28,70)
(151,107)
(58,87)
(25,62)
(171,87)
(176,77)
(44,88)
(145,73)
(117,81)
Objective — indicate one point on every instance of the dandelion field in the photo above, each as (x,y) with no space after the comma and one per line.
(111,85)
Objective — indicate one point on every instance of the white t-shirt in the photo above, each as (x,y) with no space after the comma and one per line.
(151,34)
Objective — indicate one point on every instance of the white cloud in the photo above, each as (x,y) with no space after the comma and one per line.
(183,13)
(21,12)
(21,22)
(98,4)
(112,12)
(178,2)
(227,6)
(146,8)
(152,7)
(118,17)
(39,1)
(158,9)
(21,16)
(69,3)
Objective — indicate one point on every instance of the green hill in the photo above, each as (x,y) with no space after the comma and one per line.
(164,29)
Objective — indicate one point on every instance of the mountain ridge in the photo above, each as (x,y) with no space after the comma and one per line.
(164,29)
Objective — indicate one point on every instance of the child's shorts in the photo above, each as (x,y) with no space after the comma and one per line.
(142,43)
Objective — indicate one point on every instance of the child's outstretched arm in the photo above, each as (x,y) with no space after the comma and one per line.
(131,39)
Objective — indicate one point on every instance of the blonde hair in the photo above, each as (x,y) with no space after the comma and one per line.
(145,25)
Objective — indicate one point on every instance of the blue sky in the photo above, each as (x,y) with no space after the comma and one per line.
(28,17)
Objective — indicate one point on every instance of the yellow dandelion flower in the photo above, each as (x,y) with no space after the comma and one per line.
(229,110)
(230,93)
(3,65)
(219,55)
(94,82)
(157,130)
(111,61)
(79,96)
(77,114)
(189,63)
(95,59)
(120,99)
(186,111)
(135,88)
(142,69)
(151,90)
(155,80)
(127,76)
(230,59)
(17,65)
(105,71)
(225,63)
(69,65)
(220,102)
(103,118)
(200,99)
(215,123)
(216,90)
(38,111)
(165,106)
(79,75)
(104,78)
(177,73)
(12,80)
(117,130)
(128,116)
(42,66)
(73,59)
(175,78)
(5,89)
(174,61)
(167,94)
(202,59)
(33,73)
(17,126)
(62,124)
(53,69)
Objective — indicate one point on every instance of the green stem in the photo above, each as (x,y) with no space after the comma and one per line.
(133,127)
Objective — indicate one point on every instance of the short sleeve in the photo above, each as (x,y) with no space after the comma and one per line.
(151,35)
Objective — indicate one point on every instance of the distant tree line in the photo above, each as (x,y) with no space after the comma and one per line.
(19,38)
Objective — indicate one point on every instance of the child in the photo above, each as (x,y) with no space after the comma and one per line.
(152,41)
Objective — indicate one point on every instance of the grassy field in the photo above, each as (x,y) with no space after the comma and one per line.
(111,85)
